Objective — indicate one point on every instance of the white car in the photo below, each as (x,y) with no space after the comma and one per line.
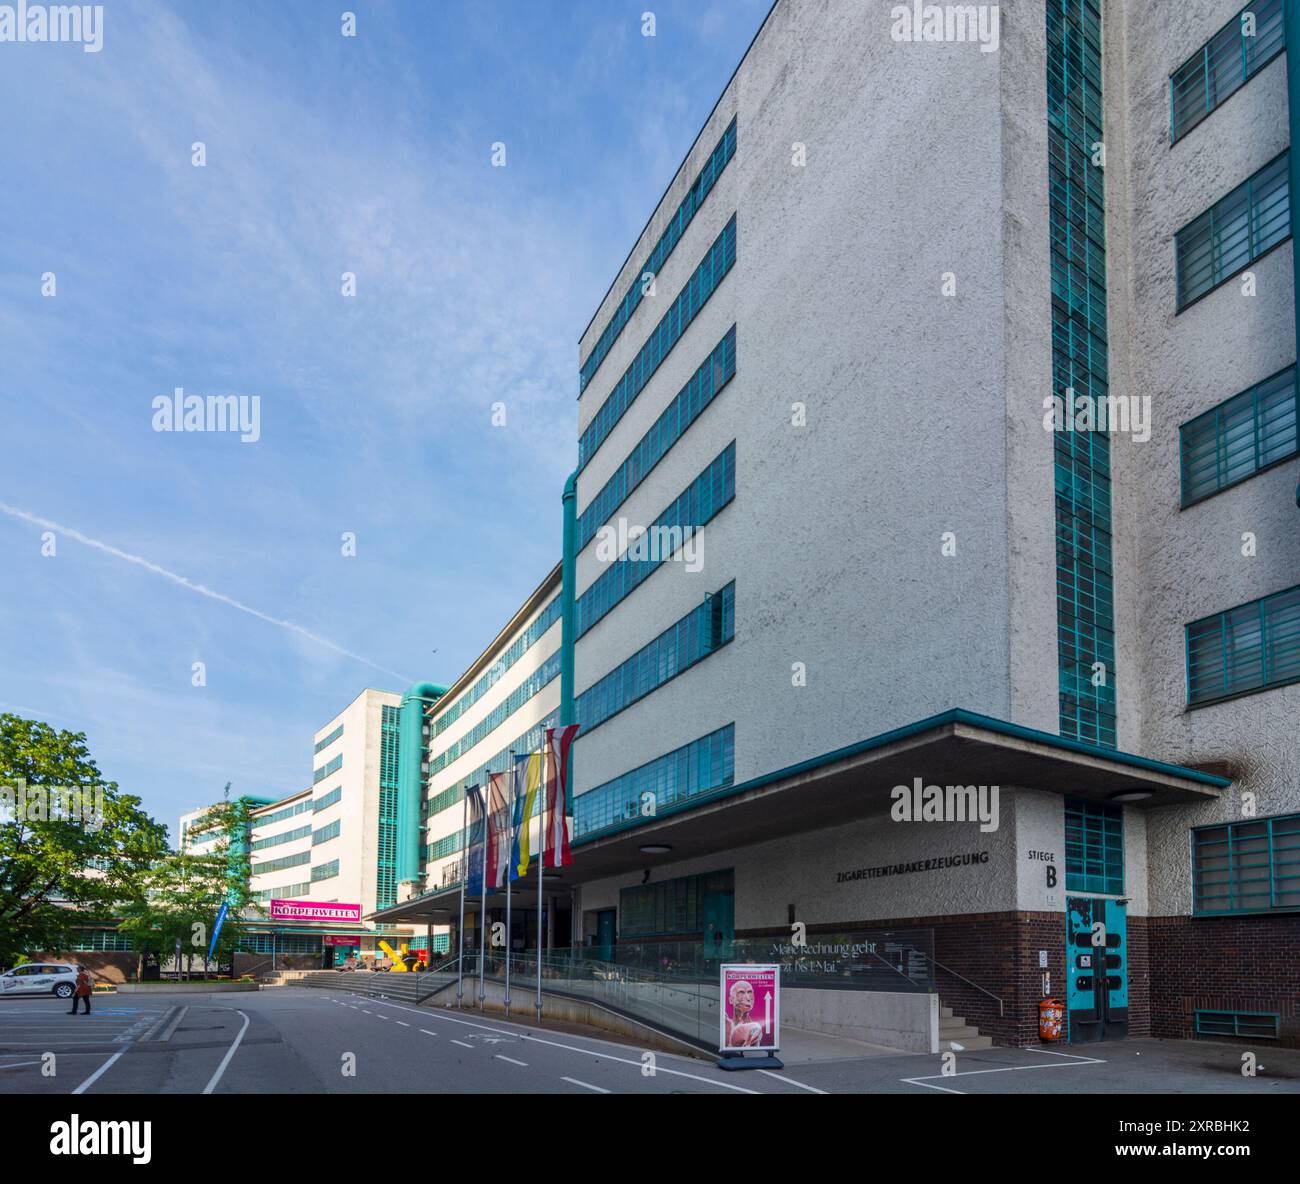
(40,978)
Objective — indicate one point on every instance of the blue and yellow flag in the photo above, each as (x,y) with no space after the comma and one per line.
(528,778)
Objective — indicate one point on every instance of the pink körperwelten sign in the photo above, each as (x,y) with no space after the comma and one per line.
(750,1015)
(309,910)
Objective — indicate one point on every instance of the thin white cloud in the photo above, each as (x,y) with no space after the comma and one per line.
(201,589)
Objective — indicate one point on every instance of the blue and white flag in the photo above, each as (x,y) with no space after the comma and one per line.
(474,841)
(216,929)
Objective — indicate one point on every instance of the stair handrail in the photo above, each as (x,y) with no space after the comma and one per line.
(982,990)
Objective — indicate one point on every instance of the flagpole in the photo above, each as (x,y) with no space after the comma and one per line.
(541,875)
(510,766)
(464,877)
(482,911)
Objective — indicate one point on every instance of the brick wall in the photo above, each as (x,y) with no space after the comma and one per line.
(996,951)
(1224,964)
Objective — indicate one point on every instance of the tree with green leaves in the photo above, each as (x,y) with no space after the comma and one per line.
(63,869)
(184,891)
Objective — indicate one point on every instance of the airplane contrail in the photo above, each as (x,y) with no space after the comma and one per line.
(201,589)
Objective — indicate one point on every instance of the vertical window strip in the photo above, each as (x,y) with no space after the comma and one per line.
(717,262)
(691,203)
(1085,609)
(1234,232)
(1249,648)
(1240,437)
(1224,64)
(719,368)
(699,504)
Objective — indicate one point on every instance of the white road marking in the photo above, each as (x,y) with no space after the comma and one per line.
(1074,1063)
(499,1057)
(575,1081)
(19,1064)
(462,1044)
(427,1032)
(402,1024)
(230,1052)
(525,1035)
(98,1073)
(812,1089)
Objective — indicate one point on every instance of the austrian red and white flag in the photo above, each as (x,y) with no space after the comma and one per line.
(555,838)
(498,828)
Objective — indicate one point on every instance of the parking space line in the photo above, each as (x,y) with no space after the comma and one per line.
(812,1089)
(98,1073)
(585,1085)
(230,1052)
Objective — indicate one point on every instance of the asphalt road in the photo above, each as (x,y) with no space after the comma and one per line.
(297,1040)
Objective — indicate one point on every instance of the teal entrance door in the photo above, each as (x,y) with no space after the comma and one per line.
(719,925)
(1096,960)
(605,934)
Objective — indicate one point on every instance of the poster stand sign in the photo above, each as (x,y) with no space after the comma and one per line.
(749,1016)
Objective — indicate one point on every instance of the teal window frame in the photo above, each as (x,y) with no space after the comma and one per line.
(713,269)
(1094,847)
(280,815)
(324,803)
(325,871)
(1251,865)
(1248,1025)
(520,646)
(334,735)
(282,864)
(325,770)
(1241,437)
(706,383)
(280,943)
(288,836)
(677,779)
(672,908)
(1244,650)
(1223,65)
(284,892)
(690,205)
(326,833)
(99,941)
(706,497)
(1237,230)
(701,632)
(533,685)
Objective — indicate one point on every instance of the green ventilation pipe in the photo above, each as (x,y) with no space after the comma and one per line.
(410,783)
(1291,32)
(568,575)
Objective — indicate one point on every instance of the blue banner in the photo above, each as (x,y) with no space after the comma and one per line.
(216,929)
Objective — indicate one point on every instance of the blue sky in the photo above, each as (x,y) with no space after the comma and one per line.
(325,155)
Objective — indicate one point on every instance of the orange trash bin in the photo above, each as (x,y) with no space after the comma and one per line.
(1051,1016)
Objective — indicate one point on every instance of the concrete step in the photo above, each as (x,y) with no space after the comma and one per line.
(945,1013)
(965,1043)
(957,1031)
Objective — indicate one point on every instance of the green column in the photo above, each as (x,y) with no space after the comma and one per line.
(410,784)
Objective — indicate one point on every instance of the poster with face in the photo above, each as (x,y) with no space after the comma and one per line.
(751,1008)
